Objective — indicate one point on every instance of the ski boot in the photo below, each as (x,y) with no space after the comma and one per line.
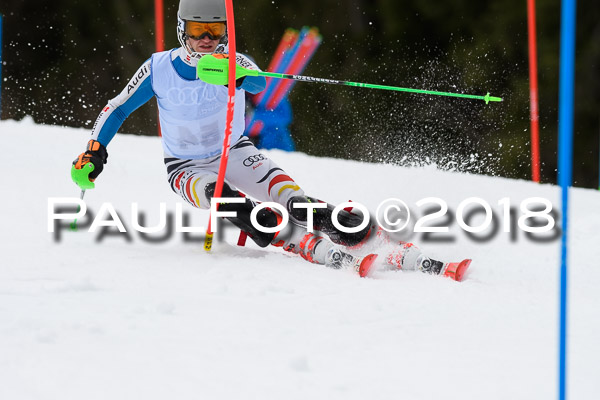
(337,259)
(322,221)
(318,249)
(453,270)
(409,257)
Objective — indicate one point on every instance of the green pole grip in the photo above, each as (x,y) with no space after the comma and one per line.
(81,176)
(214,70)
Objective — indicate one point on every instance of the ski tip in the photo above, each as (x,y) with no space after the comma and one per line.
(456,271)
(366,265)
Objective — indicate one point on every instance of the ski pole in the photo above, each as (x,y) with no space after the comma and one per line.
(214,70)
(82,179)
(74,223)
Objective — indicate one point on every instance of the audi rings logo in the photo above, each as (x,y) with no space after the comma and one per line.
(250,161)
(193,96)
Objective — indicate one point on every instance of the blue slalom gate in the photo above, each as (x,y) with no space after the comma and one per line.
(565,169)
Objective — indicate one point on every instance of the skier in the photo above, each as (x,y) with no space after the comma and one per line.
(192,118)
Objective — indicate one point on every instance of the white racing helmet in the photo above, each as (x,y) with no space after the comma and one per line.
(208,12)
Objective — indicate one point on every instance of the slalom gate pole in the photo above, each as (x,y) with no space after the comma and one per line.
(230,108)
(533,93)
(304,53)
(1,66)
(282,67)
(565,168)
(215,71)
(286,44)
(160,25)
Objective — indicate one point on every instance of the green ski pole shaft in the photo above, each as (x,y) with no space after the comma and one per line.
(487,98)
(74,223)
(214,70)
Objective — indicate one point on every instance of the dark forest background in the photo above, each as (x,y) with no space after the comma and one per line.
(63,59)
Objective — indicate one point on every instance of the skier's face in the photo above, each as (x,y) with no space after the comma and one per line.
(203,45)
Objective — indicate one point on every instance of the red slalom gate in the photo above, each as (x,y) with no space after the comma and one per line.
(230,109)
(307,48)
(289,38)
(160,26)
(533,93)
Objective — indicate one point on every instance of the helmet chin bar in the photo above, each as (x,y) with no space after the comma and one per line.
(221,48)
(191,52)
(183,40)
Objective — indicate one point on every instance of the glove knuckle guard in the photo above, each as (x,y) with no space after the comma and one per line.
(96,154)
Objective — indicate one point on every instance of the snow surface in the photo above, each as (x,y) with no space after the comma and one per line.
(82,319)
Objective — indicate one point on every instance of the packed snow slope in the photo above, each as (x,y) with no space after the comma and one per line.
(89,317)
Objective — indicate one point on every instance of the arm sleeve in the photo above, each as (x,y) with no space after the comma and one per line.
(251,84)
(137,92)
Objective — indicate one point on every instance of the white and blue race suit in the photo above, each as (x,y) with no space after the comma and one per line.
(192,117)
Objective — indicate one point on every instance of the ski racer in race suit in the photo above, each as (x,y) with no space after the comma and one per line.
(192,117)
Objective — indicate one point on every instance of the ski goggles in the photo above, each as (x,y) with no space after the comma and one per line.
(197,30)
